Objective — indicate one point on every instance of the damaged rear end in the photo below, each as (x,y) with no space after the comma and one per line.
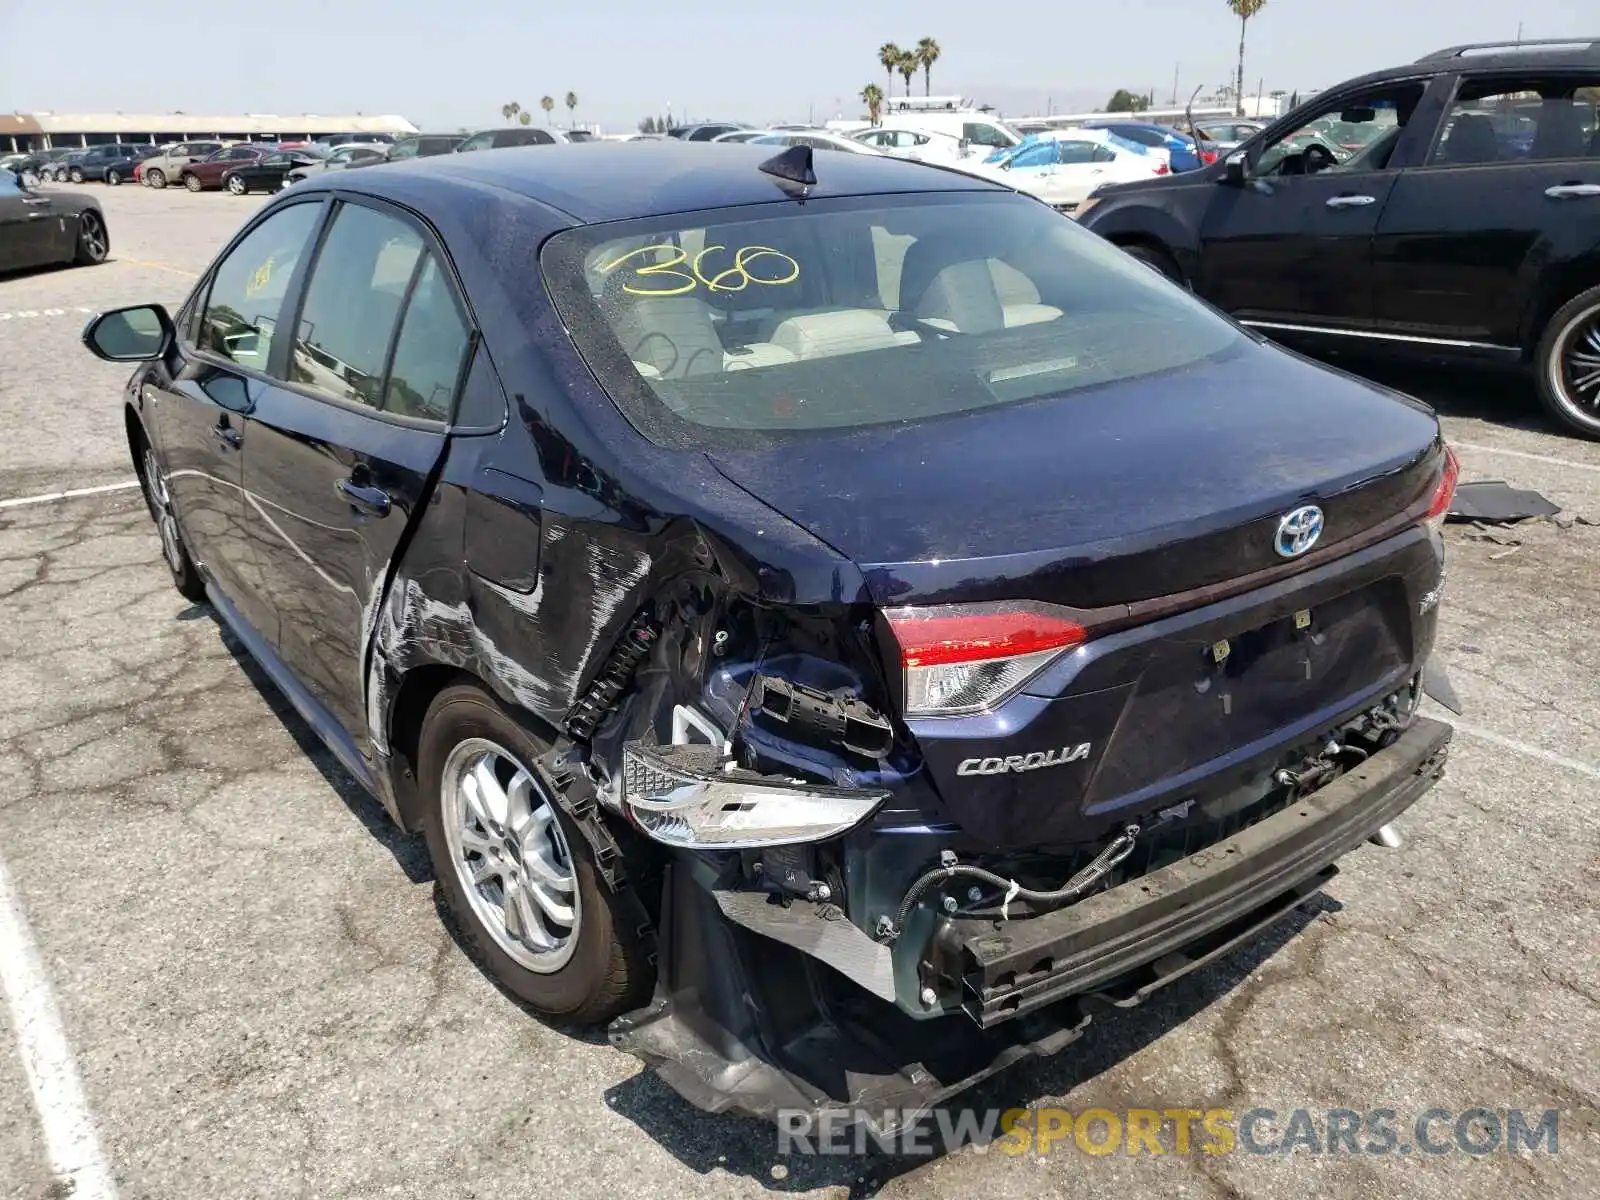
(1123,647)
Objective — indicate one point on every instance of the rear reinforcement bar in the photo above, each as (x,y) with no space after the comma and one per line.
(1154,919)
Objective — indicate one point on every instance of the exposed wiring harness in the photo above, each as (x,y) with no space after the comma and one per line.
(1114,853)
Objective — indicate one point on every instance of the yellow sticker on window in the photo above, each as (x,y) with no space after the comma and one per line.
(262,277)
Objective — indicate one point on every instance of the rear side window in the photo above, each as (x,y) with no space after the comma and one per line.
(522,137)
(727,326)
(1501,120)
(352,305)
(427,357)
(241,310)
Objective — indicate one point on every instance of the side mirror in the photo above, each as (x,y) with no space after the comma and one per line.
(142,333)
(1235,167)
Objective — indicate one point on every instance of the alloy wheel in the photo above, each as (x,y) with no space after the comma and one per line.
(112,179)
(510,854)
(236,185)
(166,523)
(1574,366)
(92,237)
(192,182)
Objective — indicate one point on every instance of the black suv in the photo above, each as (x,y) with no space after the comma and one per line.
(1463,219)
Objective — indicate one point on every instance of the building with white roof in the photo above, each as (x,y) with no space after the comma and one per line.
(38,130)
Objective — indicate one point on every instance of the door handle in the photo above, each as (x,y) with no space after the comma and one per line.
(230,437)
(370,500)
(36,201)
(1569,191)
(1351,201)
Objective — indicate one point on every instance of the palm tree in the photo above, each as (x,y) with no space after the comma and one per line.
(889,57)
(1244,10)
(927,55)
(525,118)
(572,106)
(510,111)
(907,66)
(872,97)
(548,103)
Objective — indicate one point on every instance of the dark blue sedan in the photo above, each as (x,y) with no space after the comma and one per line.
(815,609)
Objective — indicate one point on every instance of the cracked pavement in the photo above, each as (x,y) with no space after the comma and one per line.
(263,999)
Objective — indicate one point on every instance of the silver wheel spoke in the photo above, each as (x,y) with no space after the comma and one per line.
(538,859)
(486,870)
(472,840)
(520,803)
(548,903)
(1593,336)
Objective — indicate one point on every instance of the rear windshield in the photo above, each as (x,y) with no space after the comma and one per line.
(775,320)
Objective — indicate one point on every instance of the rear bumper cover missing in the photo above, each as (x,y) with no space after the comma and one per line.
(1153,919)
(744,1022)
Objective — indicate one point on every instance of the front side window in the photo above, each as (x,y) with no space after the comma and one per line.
(404,150)
(478,141)
(1539,118)
(1036,154)
(723,327)
(1354,134)
(352,304)
(247,289)
(1077,152)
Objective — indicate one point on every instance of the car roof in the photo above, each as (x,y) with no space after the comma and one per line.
(613,181)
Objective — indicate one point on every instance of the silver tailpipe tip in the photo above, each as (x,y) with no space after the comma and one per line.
(1388,837)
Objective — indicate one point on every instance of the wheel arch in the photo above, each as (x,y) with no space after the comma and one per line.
(1560,285)
(413,694)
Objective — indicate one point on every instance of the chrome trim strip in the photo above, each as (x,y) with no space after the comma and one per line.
(1382,337)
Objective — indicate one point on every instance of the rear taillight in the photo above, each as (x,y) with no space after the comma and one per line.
(1208,157)
(1163,169)
(964,658)
(1445,492)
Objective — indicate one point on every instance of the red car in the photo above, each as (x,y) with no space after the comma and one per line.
(206,174)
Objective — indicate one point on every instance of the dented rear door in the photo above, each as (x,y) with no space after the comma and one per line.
(345,449)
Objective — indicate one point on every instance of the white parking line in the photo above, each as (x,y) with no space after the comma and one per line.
(1544,458)
(1500,739)
(47,497)
(24,314)
(71,1143)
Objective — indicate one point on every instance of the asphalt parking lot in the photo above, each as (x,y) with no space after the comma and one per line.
(261,999)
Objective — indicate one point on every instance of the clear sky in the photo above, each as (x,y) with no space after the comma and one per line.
(445,65)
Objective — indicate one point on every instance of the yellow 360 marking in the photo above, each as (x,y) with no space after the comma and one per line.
(667,278)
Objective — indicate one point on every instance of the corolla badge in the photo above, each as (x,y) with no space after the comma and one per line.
(1298,531)
(1024,762)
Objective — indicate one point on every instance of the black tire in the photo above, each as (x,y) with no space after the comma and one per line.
(236,186)
(608,971)
(155,177)
(60,175)
(1567,364)
(75,175)
(112,179)
(94,243)
(192,182)
(185,575)
(1158,260)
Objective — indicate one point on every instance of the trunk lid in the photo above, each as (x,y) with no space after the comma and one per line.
(1115,494)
